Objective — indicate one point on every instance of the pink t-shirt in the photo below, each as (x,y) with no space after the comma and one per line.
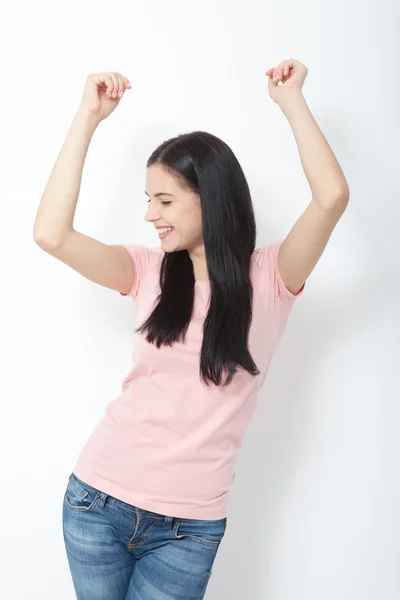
(168,443)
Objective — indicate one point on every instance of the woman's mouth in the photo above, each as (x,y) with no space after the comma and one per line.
(162,233)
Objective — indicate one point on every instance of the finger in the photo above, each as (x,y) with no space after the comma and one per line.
(114,88)
(272,72)
(282,69)
(108,81)
(286,71)
(277,74)
(121,86)
(126,81)
(124,84)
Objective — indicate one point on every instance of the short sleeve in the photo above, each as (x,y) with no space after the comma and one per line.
(267,259)
(144,260)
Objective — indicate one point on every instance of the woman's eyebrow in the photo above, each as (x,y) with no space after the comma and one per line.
(160,194)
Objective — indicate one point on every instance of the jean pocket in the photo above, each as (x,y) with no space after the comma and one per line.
(80,496)
(207,533)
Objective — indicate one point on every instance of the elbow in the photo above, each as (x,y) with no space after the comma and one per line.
(38,237)
(342,196)
(44,240)
(334,201)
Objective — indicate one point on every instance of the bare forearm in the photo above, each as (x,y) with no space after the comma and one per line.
(323,172)
(57,207)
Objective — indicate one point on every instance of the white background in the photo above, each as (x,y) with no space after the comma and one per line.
(315,506)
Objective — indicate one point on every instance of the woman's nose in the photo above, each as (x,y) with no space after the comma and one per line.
(151,214)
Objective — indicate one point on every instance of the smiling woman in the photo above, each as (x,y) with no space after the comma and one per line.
(191,223)
(177,207)
(145,507)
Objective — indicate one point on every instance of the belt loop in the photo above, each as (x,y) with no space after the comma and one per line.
(101,500)
(168,522)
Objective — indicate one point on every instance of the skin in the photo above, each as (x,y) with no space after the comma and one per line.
(182,211)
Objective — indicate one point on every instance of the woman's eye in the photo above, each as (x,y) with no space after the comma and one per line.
(162,201)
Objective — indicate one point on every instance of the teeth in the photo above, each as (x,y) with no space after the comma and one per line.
(164,230)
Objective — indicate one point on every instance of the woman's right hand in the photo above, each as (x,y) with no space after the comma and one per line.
(100,89)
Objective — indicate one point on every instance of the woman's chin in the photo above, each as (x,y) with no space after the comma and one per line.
(169,245)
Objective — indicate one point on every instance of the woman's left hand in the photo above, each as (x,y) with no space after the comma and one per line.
(291,73)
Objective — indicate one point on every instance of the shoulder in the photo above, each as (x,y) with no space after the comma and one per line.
(266,257)
(266,274)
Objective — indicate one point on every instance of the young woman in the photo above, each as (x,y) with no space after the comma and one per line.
(145,507)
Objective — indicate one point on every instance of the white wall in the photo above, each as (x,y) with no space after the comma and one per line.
(314,511)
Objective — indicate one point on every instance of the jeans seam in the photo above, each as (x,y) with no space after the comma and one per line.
(136,525)
(81,508)
(141,541)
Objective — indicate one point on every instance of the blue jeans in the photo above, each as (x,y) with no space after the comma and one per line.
(117,551)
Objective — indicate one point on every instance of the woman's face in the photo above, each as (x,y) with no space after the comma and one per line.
(171,206)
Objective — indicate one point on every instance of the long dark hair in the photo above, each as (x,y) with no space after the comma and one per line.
(205,165)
